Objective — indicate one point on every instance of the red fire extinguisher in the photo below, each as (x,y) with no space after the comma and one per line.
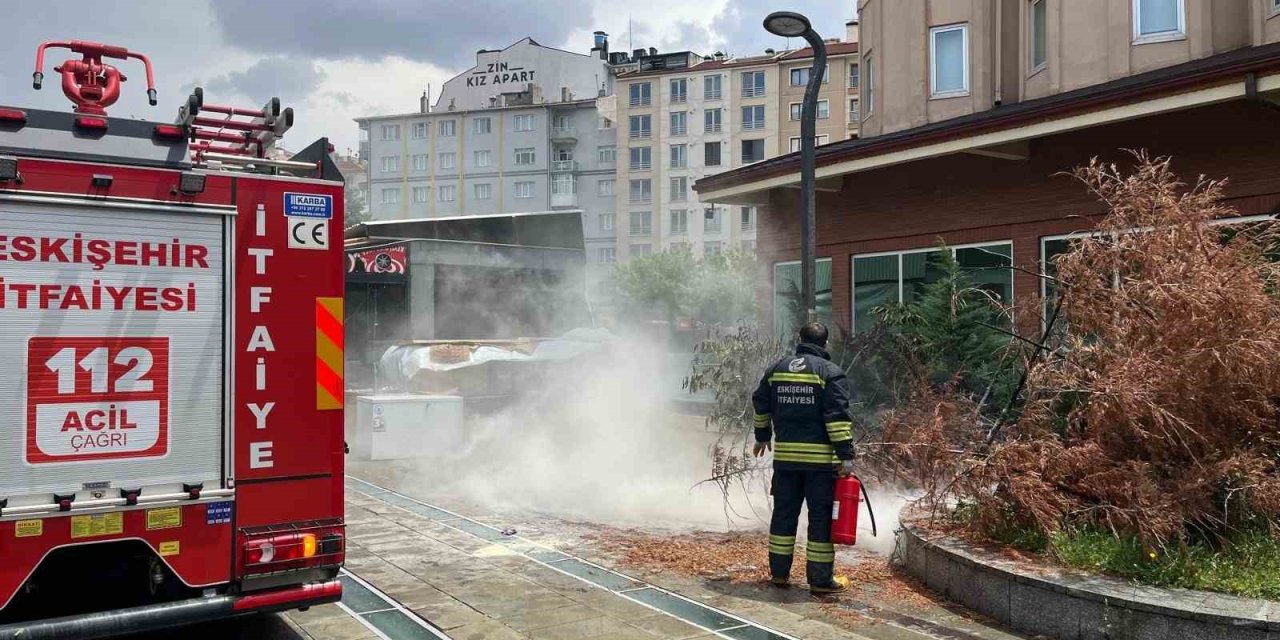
(844,513)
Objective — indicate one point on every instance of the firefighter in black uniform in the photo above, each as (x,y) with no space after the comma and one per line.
(807,402)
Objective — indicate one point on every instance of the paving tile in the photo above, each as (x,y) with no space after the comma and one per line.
(450,614)
(359,599)
(596,575)
(664,626)
(347,628)
(613,605)
(396,624)
(581,629)
(317,614)
(684,609)
(487,630)
(532,621)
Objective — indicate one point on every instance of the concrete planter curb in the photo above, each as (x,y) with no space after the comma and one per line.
(1072,606)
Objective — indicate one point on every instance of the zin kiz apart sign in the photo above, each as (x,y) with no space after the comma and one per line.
(496,73)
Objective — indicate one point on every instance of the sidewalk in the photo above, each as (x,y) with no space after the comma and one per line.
(473,582)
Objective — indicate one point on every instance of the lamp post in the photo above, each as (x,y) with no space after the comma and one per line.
(789,24)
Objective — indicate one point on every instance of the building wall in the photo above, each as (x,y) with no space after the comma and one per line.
(1088,42)
(841,124)
(519,65)
(973,199)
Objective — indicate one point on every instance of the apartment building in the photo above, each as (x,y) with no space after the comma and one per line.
(971,112)
(519,133)
(693,117)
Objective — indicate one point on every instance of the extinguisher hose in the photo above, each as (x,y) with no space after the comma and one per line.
(866,498)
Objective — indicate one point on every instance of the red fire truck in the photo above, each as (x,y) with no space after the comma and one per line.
(171,340)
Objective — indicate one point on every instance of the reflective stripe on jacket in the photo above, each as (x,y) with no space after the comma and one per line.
(802,403)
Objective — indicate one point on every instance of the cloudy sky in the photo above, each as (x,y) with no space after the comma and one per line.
(333,60)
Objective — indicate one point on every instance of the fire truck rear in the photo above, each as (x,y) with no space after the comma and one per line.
(171,340)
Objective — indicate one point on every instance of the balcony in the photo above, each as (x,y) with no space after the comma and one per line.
(564,166)
(564,200)
(752,92)
(753,125)
(564,133)
(641,134)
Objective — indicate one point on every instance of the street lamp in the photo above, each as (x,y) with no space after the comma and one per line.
(789,24)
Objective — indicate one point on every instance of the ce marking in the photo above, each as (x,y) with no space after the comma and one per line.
(308,233)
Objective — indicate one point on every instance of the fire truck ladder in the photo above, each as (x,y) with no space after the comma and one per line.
(237,138)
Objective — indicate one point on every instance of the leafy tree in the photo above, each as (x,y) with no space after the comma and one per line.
(356,211)
(717,290)
(953,333)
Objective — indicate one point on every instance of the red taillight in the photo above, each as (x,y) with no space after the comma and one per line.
(170,131)
(313,547)
(13,115)
(87,122)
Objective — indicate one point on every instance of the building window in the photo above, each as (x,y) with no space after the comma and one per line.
(419,130)
(524,189)
(797,110)
(949,60)
(390,196)
(1039,31)
(679,123)
(1159,20)
(712,221)
(711,154)
(711,121)
(390,132)
(641,94)
(824,109)
(818,141)
(564,185)
(642,190)
(853,75)
(421,194)
(712,87)
(448,193)
(747,245)
(641,223)
(448,128)
(607,155)
(898,278)
(603,123)
(679,222)
(679,156)
(524,123)
(641,126)
(752,84)
(640,250)
(752,151)
(420,162)
(711,248)
(800,76)
(604,188)
(390,163)
(679,91)
(641,158)
(854,106)
(483,191)
(481,126)
(606,220)
(449,160)
(748,215)
(679,189)
(483,158)
(525,156)
(607,255)
(788,303)
(869,87)
(753,118)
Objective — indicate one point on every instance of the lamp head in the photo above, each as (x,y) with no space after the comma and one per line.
(787,24)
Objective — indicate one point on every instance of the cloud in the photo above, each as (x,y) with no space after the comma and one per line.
(739,27)
(443,32)
(289,78)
